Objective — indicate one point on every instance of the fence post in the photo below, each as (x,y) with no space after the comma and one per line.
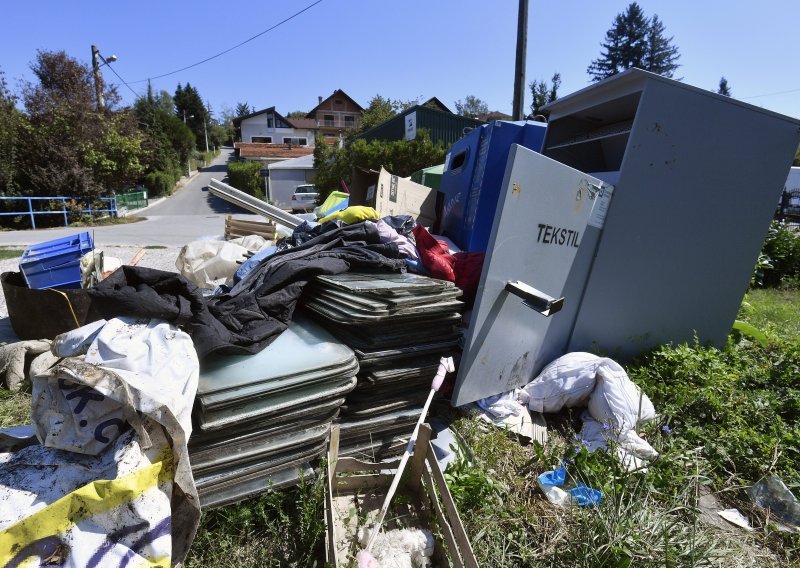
(64,210)
(30,210)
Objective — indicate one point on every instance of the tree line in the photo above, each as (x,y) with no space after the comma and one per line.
(56,141)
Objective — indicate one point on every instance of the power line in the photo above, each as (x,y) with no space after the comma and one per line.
(293,16)
(135,94)
(772,94)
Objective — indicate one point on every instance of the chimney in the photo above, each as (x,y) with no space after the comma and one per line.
(320,99)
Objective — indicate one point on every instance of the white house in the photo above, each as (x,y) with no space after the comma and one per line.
(269,127)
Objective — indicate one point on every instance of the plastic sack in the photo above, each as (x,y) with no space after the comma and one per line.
(771,493)
(126,490)
(210,263)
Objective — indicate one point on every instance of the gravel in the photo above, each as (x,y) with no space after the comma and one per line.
(160,258)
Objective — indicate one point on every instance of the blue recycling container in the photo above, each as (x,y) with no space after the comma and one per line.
(472,177)
(56,263)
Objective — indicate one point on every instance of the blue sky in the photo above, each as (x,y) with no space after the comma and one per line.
(399,49)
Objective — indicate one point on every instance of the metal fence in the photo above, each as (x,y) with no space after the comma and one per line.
(52,207)
(132,199)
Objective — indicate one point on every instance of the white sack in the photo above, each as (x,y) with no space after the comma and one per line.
(145,373)
(567,382)
(616,400)
(209,264)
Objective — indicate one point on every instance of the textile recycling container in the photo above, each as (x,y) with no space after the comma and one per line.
(473,173)
(681,186)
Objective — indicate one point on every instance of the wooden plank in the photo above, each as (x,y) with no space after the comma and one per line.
(447,530)
(241,228)
(417,461)
(452,512)
(353,465)
(359,482)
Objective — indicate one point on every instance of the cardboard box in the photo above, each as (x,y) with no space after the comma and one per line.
(393,195)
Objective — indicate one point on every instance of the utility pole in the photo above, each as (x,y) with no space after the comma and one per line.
(98,79)
(205,132)
(519,71)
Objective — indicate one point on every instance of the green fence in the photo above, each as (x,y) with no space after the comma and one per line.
(132,200)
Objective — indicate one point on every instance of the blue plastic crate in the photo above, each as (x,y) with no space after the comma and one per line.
(56,263)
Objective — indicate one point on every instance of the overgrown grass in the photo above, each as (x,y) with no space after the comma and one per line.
(279,528)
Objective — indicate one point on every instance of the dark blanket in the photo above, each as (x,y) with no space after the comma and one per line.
(259,307)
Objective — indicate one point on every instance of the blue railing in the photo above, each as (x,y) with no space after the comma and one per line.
(112,207)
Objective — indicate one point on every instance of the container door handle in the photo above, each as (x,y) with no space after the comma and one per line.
(535,299)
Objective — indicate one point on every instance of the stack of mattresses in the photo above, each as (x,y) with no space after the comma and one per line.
(260,420)
(399,326)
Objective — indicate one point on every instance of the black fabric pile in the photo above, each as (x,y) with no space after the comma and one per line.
(259,307)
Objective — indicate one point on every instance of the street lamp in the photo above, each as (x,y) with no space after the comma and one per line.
(98,81)
(189,159)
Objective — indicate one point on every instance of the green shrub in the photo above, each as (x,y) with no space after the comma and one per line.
(246,176)
(159,183)
(781,251)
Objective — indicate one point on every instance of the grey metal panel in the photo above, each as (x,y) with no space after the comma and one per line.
(507,341)
(274,405)
(697,187)
(304,347)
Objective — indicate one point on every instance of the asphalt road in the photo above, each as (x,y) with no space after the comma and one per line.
(189,214)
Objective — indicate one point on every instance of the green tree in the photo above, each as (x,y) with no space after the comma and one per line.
(297,114)
(471,106)
(242,109)
(69,145)
(724,89)
(635,41)
(402,157)
(542,93)
(190,108)
(379,109)
(168,143)
(11,121)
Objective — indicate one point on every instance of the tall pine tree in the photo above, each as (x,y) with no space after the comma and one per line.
(724,89)
(635,41)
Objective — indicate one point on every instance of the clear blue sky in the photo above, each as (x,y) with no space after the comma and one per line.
(400,49)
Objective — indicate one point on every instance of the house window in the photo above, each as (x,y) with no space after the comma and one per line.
(349,121)
(338,101)
(296,141)
(328,120)
(269,121)
(261,139)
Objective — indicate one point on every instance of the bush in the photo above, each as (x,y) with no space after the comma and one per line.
(781,251)
(159,183)
(246,176)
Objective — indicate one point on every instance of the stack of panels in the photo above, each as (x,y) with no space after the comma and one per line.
(260,419)
(399,326)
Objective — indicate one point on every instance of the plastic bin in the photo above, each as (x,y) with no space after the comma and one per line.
(473,175)
(56,263)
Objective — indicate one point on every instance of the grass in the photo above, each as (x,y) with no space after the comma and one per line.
(6,253)
(90,222)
